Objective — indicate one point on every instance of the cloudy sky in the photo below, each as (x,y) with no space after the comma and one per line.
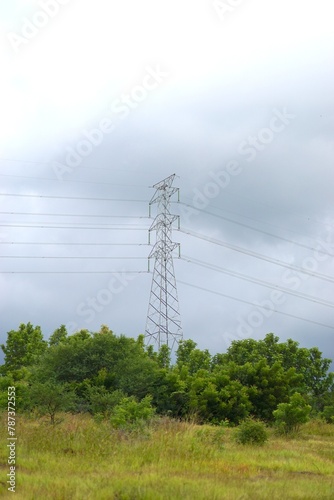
(101,100)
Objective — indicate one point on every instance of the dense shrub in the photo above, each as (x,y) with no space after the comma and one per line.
(130,413)
(103,401)
(251,432)
(290,416)
(328,414)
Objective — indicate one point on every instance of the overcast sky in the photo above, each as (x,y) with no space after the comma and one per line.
(101,100)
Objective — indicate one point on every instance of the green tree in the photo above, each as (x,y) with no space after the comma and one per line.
(170,394)
(235,402)
(50,398)
(22,402)
(86,356)
(164,356)
(244,351)
(203,397)
(102,401)
(58,336)
(268,385)
(214,397)
(23,347)
(328,414)
(67,361)
(315,381)
(105,330)
(318,382)
(289,416)
(194,359)
(183,352)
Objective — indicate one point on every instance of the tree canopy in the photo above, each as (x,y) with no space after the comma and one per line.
(98,371)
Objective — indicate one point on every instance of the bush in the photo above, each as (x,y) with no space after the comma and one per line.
(328,414)
(251,432)
(50,398)
(131,414)
(290,416)
(103,401)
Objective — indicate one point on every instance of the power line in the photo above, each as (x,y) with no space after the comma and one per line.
(256,305)
(90,224)
(258,256)
(26,161)
(53,162)
(259,230)
(266,206)
(71,198)
(61,257)
(74,272)
(40,243)
(75,227)
(76,181)
(258,281)
(78,215)
(65,224)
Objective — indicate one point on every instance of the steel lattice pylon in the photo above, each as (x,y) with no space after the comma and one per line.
(163,324)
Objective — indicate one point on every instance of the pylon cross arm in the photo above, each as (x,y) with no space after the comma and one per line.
(163,221)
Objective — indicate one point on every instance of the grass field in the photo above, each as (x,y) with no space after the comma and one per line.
(80,459)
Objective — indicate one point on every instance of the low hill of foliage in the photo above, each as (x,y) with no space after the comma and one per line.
(117,377)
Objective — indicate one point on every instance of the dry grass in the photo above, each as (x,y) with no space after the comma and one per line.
(81,459)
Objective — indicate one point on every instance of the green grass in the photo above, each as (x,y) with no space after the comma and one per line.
(81,459)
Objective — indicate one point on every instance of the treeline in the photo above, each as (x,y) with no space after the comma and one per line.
(112,376)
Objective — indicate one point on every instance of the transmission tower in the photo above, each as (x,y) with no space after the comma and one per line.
(163,324)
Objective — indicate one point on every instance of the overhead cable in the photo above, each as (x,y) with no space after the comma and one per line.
(257,281)
(257,255)
(260,231)
(256,305)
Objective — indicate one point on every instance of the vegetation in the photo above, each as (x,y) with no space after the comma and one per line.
(328,414)
(289,416)
(251,432)
(138,405)
(92,372)
(81,458)
(131,414)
